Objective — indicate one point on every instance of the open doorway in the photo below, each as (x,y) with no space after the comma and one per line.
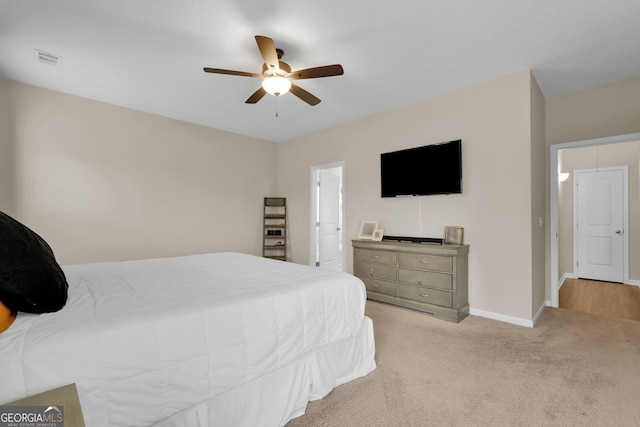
(326,244)
(596,154)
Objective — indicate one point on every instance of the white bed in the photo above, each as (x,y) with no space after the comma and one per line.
(222,339)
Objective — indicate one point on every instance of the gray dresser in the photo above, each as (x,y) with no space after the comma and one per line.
(422,276)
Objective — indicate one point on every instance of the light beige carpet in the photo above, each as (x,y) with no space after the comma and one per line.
(572,369)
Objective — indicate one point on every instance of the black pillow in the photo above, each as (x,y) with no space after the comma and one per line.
(30,278)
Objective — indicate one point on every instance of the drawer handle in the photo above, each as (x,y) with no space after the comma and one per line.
(375,285)
(375,256)
(424,295)
(371,272)
(420,280)
(423,262)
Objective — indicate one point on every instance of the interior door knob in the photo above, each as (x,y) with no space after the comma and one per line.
(618,231)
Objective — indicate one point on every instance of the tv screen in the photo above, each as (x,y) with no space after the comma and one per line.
(428,170)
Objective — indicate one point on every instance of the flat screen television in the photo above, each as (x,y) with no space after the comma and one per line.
(427,170)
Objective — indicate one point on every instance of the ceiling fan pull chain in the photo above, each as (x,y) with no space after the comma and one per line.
(277,98)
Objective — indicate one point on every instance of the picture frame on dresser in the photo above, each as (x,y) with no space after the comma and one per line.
(367,230)
(453,235)
(378,235)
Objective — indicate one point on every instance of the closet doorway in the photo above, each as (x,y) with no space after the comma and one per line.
(327,212)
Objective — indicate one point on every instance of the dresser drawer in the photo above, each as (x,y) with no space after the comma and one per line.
(425,278)
(421,276)
(420,294)
(380,286)
(378,257)
(426,262)
(375,271)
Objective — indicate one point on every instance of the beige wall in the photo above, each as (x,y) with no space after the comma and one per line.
(493,119)
(7,197)
(101,182)
(607,110)
(602,111)
(106,183)
(603,156)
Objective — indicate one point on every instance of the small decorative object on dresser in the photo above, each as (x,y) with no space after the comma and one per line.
(423,276)
(378,234)
(453,235)
(367,229)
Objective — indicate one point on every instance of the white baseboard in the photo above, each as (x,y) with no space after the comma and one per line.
(566,276)
(501,317)
(510,319)
(544,305)
(525,322)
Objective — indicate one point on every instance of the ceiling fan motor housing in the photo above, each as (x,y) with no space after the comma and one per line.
(283,71)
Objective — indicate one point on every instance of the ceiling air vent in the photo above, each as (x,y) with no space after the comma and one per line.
(47,58)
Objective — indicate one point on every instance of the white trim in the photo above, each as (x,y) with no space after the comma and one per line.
(313,180)
(553,170)
(510,319)
(553,229)
(564,277)
(312,215)
(544,305)
(501,317)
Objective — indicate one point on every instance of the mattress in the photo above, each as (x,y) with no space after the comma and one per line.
(151,341)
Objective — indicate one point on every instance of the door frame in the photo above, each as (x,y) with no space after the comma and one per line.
(625,218)
(554,181)
(313,183)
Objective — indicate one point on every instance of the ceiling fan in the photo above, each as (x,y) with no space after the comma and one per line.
(277,75)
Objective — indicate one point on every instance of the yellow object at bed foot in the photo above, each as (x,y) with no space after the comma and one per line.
(7,316)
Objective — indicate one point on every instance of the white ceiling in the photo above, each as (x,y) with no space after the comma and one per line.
(149,54)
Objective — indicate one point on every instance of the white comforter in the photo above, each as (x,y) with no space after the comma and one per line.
(144,340)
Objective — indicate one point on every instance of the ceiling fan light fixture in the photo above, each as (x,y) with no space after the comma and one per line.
(277,75)
(276,85)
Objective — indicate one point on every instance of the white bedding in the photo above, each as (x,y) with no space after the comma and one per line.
(180,341)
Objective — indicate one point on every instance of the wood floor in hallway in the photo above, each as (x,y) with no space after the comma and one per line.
(611,300)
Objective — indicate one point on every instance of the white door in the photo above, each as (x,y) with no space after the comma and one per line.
(329,230)
(600,230)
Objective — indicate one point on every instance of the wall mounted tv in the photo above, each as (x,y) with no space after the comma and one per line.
(428,170)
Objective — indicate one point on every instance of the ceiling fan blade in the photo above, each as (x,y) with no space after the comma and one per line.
(269,54)
(257,96)
(315,72)
(304,95)
(231,72)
